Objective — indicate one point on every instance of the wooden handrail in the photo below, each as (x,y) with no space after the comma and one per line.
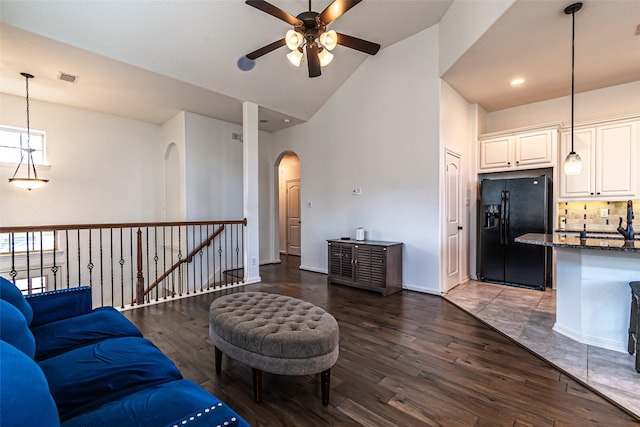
(17,229)
(189,258)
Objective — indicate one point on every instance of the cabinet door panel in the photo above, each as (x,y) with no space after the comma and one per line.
(584,144)
(370,265)
(494,153)
(616,160)
(341,260)
(534,148)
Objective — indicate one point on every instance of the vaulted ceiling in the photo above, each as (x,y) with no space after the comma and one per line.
(150,59)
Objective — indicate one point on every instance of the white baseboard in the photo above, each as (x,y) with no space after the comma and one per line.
(591,340)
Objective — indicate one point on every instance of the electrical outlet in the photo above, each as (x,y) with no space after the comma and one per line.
(604,213)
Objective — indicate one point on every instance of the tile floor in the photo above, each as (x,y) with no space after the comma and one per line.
(528,316)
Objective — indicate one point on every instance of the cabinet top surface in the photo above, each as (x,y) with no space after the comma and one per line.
(563,240)
(364,242)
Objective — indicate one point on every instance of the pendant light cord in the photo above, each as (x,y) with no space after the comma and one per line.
(573,61)
(28,124)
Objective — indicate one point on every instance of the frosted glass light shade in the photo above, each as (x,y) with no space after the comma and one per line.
(293,39)
(325,57)
(28,183)
(329,39)
(572,164)
(295,57)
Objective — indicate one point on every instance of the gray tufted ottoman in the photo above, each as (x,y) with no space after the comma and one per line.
(274,333)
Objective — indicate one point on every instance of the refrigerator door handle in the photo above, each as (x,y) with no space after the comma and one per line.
(502,217)
(507,204)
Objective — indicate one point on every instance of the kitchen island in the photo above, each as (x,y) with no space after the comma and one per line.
(593,298)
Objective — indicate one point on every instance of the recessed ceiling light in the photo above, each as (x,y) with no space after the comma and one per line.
(287,120)
(517,82)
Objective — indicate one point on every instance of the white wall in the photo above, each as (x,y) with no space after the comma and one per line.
(598,104)
(267,193)
(380,132)
(103,168)
(174,197)
(456,134)
(213,175)
(463,24)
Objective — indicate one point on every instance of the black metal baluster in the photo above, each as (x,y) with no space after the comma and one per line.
(79,263)
(201,253)
(54,267)
(121,262)
(131,269)
(180,259)
(42,289)
(243,249)
(207,259)
(13,273)
(90,265)
(173,281)
(220,259)
(28,265)
(66,240)
(101,271)
(164,259)
(155,257)
(111,256)
(148,297)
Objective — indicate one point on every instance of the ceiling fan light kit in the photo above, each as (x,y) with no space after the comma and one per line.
(309,36)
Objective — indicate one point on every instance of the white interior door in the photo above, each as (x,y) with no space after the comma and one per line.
(293,217)
(453,224)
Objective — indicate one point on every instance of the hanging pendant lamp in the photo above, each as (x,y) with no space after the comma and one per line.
(29,181)
(573,162)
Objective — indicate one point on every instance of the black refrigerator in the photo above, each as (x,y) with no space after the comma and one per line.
(510,208)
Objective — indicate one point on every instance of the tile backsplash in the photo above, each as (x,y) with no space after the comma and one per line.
(579,214)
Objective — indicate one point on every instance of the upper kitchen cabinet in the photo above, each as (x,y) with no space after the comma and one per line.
(610,159)
(521,149)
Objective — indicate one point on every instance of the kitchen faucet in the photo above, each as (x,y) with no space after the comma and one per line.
(628,234)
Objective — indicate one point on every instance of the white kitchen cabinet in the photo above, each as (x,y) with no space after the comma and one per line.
(529,149)
(610,160)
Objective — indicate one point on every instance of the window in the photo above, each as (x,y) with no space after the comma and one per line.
(32,285)
(13,140)
(32,241)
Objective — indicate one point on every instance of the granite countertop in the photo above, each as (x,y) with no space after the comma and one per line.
(562,240)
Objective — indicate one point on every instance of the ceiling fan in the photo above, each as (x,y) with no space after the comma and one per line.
(309,35)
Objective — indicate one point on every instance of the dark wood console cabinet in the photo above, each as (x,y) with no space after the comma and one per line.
(366,264)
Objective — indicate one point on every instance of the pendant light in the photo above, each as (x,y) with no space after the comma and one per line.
(573,162)
(29,182)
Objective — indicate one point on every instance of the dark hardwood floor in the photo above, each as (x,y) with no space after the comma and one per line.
(408,359)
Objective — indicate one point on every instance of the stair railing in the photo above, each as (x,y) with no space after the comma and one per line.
(116,260)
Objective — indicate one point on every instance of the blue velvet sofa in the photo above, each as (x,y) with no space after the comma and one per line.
(64,364)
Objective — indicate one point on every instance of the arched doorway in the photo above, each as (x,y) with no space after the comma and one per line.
(288,195)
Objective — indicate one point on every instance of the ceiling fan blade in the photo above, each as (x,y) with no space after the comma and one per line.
(358,44)
(336,9)
(266,49)
(313,60)
(274,11)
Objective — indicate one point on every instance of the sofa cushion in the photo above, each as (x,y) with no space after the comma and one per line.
(167,404)
(102,323)
(89,376)
(14,329)
(10,293)
(24,393)
(58,304)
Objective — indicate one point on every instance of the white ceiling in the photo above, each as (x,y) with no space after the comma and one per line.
(149,59)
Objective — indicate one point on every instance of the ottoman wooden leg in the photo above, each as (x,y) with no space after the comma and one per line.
(218,358)
(257,384)
(325,381)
